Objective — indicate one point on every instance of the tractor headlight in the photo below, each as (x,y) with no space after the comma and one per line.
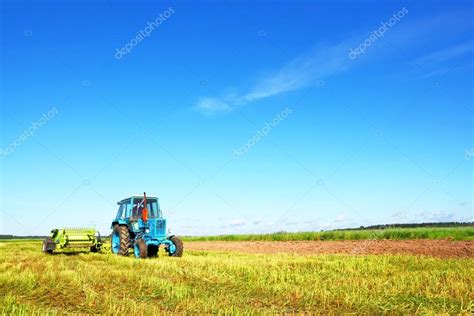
(147,230)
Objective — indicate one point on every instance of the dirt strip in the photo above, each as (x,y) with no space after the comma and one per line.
(437,248)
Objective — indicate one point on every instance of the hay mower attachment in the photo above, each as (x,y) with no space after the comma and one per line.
(73,238)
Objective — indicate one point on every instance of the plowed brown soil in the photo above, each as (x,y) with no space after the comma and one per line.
(437,248)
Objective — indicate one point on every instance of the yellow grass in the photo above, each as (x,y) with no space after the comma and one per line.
(229,283)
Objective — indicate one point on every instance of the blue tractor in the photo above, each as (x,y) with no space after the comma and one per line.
(139,225)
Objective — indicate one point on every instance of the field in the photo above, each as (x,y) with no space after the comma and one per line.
(456,233)
(232,280)
(436,248)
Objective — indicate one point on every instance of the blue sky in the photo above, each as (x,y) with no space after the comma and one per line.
(325,139)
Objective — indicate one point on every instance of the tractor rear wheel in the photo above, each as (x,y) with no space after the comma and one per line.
(140,248)
(178,243)
(120,241)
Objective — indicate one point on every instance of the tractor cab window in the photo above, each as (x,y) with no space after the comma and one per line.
(138,206)
(121,211)
(152,207)
(136,210)
(128,209)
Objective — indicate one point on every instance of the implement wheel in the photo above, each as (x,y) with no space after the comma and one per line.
(48,245)
(179,247)
(120,241)
(140,249)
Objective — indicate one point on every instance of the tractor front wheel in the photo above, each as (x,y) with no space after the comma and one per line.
(152,251)
(120,241)
(179,247)
(140,249)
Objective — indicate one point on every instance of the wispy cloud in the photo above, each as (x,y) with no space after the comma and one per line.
(341,218)
(237,222)
(301,72)
(436,216)
(442,55)
(440,62)
(442,71)
(211,106)
(327,60)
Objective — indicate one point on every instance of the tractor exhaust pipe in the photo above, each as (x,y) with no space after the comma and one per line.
(145,210)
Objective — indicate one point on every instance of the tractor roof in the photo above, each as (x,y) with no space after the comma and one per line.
(139,197)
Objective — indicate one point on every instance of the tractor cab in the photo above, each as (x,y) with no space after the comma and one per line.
(132,208)
(139,207)
(143,215)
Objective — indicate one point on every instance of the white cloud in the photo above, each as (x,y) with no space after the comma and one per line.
(328,60)
(210,106)
(441,71)
(237,222)
(438,62)
(298,73)
(436,216)
(302,71)
(447,53)
(340,218)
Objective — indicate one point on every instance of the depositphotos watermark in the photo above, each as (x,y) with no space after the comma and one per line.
(28,133)
(260,134)
(469,153)
(142,34)
(380,32)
